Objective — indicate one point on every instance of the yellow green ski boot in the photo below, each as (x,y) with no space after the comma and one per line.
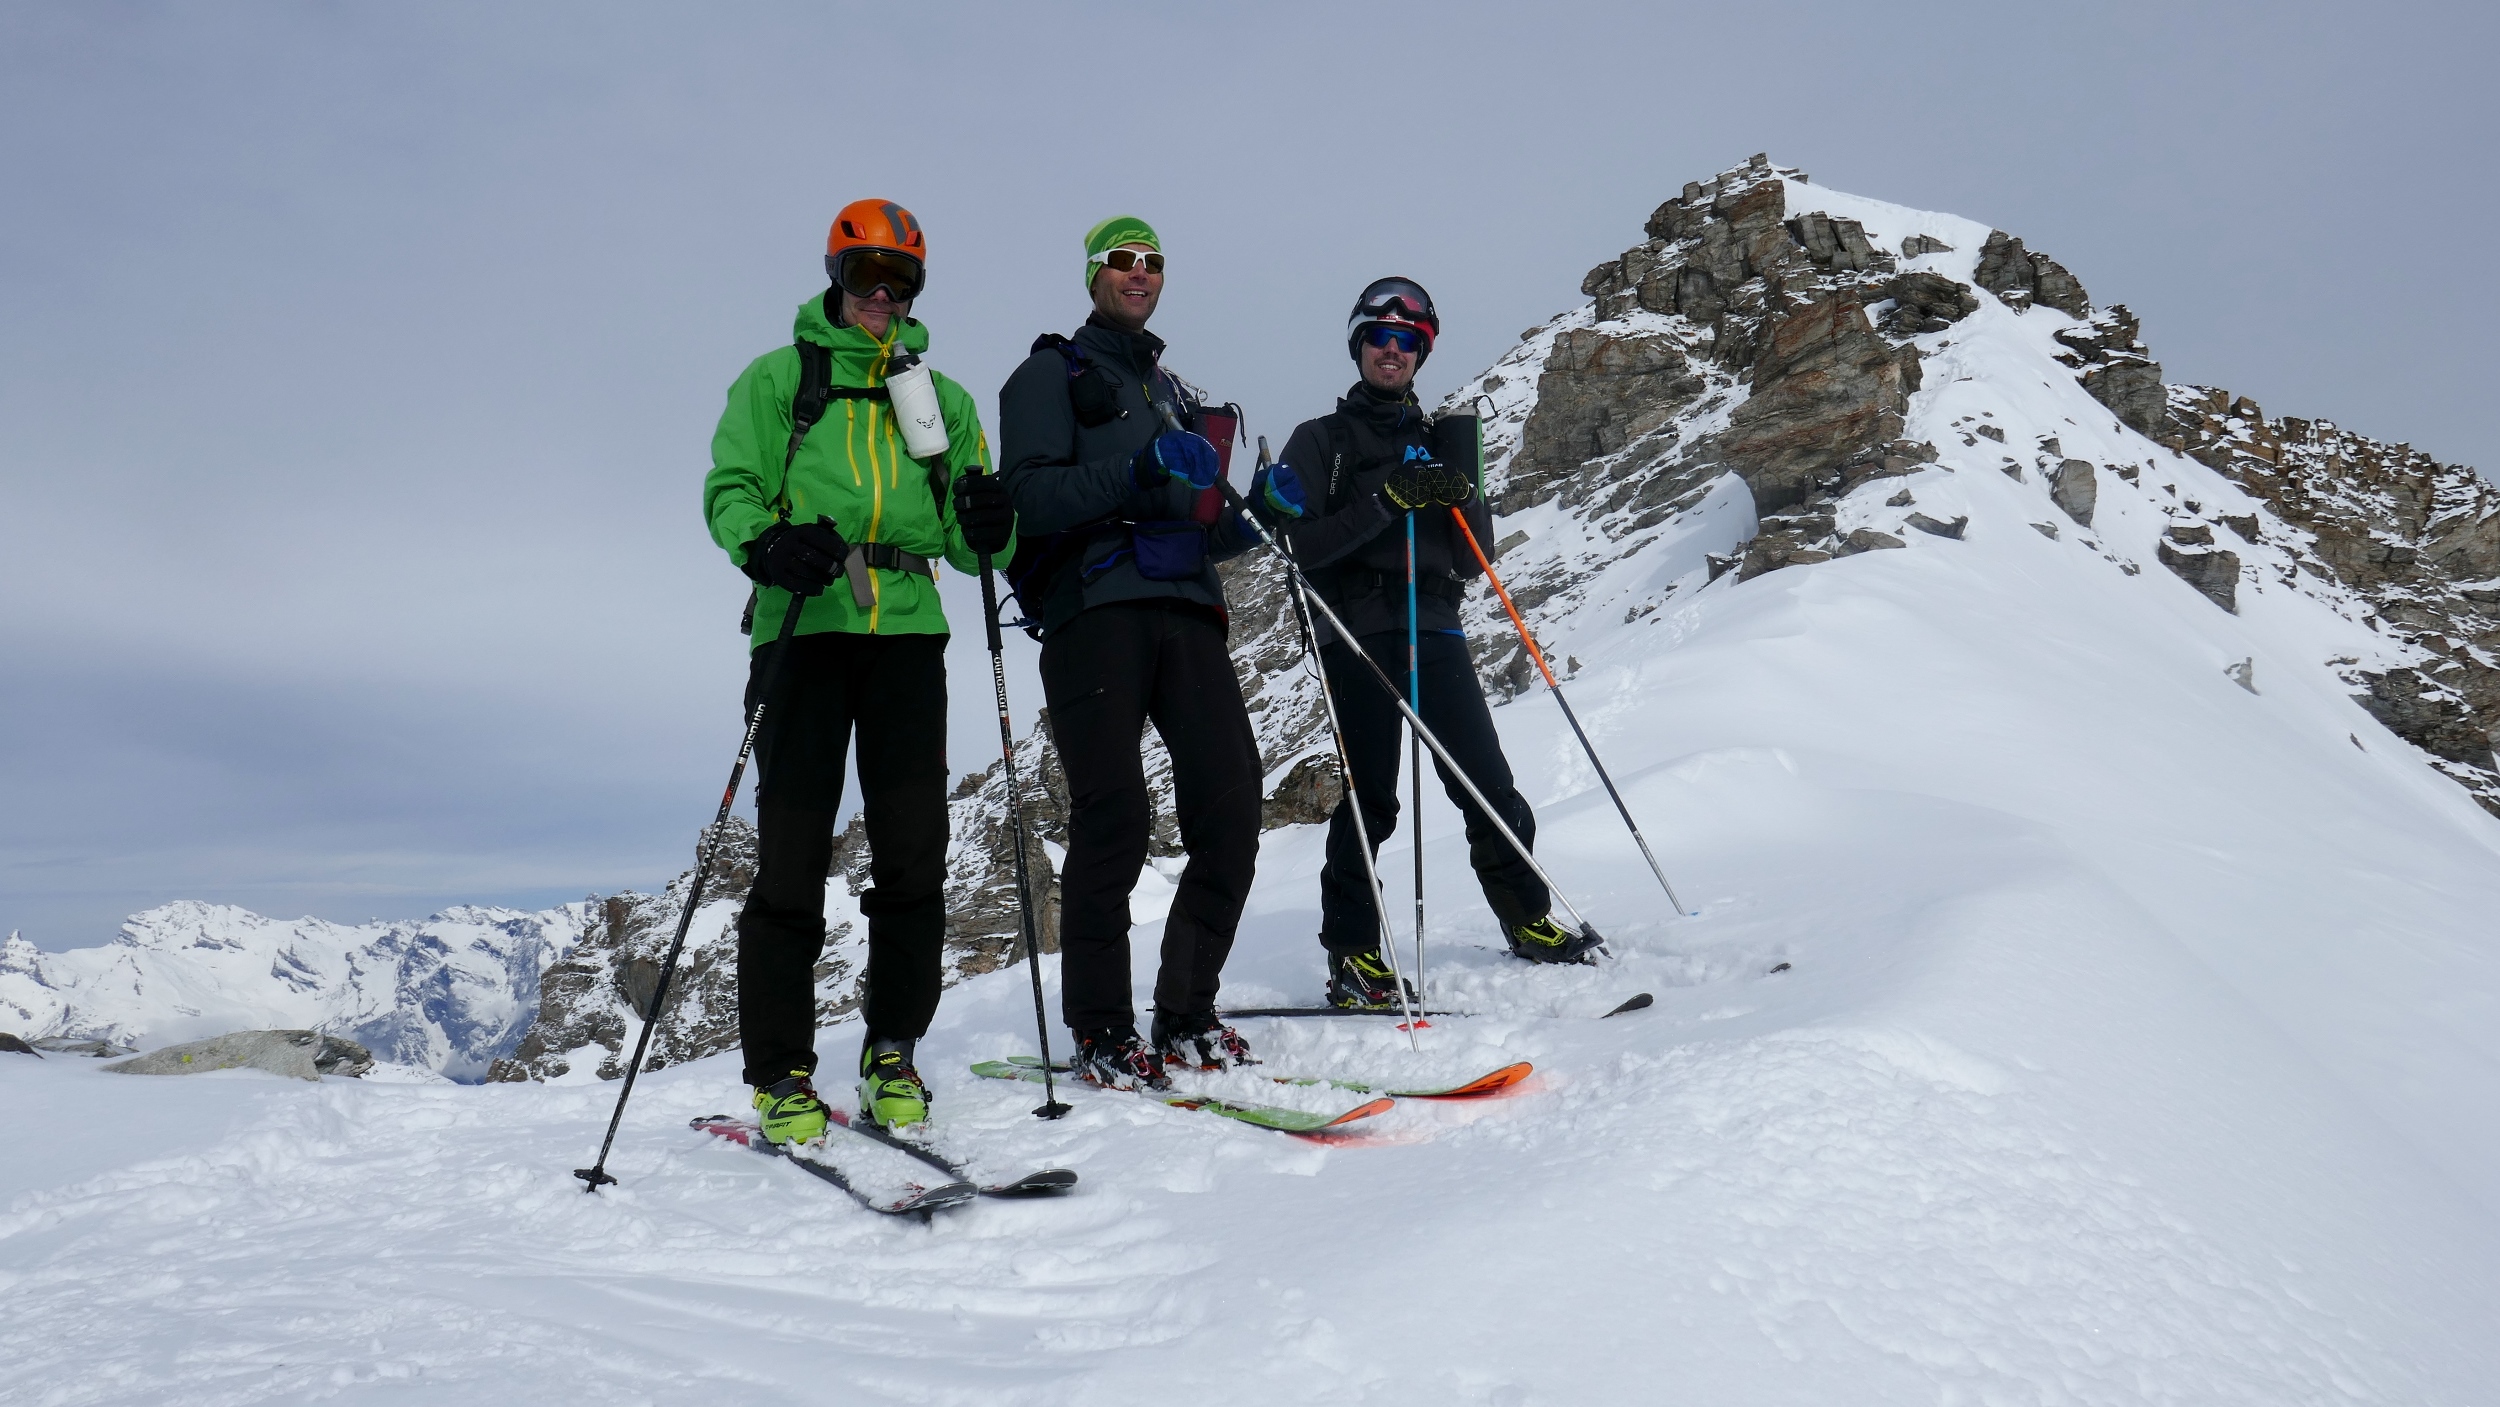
(790,1111)
(891,1095)
(1548,941)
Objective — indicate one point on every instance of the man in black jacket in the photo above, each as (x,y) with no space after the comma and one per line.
(1368,470)
(1121,530)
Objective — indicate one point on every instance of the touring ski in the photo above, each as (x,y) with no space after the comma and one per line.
(1634,1002)
(909,1199)
(1325,1011)
(1264,1116)
(1490,1082)
(1046,1182)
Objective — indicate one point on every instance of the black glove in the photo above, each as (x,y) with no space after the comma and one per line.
(801,558)
(1425,483)
(984,513)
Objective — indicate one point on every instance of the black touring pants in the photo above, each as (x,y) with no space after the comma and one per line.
(1105,674)
(891,689)
(1455,711)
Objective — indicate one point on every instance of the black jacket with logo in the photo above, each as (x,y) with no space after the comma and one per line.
(1067,476)
(1350,543)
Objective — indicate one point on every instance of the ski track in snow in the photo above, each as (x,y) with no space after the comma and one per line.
(2140,1044)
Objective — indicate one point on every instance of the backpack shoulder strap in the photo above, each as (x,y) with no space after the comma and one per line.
(807,406)
(1340,472)
(1094,398)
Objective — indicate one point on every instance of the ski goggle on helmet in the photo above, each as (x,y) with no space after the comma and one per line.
(876,244)
(1399,303)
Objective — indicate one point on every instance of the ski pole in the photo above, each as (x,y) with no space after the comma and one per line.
(1353,803)
(1415,755)
(597,1173)
(1585,745)
(1233,500)
(1051,1107)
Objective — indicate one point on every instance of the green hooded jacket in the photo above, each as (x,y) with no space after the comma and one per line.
(852,468)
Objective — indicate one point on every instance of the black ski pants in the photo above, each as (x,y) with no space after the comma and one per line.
(1455,711)
(1106,674)
(891,690)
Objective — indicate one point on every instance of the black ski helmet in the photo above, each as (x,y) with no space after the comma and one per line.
(1398,302)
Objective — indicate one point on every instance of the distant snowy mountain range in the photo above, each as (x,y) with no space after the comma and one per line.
(450,993)
(1776,377)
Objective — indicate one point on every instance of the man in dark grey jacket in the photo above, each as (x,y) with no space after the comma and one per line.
(1353,490)
(1121,529)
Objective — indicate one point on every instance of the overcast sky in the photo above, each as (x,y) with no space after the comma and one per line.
(358,363)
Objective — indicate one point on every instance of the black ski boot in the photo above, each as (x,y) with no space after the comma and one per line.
(1199,1042)
(1116,1060)
(1363,982)
(1548,941)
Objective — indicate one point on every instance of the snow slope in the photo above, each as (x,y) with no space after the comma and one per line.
(2136,1044)
(449,993)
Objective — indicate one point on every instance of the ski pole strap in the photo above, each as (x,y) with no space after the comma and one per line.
(1516,623)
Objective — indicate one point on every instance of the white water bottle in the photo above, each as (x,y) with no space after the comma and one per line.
(914,395)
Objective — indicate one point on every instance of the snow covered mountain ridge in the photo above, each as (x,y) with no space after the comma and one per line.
(1777,377)
(1792,337)
(448,993)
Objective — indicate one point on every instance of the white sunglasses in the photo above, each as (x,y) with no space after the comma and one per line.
(1120,261)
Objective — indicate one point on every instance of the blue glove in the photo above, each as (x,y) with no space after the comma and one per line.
(1180,455)
(1280,489)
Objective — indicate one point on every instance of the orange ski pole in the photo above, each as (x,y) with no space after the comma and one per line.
(1548,671)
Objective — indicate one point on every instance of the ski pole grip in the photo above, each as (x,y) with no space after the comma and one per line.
(989,603)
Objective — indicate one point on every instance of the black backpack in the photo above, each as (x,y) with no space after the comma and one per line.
(1095,398)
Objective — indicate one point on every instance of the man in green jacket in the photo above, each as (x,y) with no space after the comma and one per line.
(841,504)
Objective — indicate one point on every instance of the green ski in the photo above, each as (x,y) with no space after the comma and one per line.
(1261,1115)
(1489,1083)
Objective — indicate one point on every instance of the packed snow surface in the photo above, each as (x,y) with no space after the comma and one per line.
(2062,1022)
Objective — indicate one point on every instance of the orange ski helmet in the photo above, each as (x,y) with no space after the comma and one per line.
(876,243)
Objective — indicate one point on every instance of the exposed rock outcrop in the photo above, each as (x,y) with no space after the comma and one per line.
(2075,490)
(1926,302)
(68,1045)
(302,1055)
(2108,351)
(1767,302)
(1757,308)
(2215,573)
(592,1001)
(2022,278)
(2416,539)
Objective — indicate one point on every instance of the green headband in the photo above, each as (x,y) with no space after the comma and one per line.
(1110,235)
